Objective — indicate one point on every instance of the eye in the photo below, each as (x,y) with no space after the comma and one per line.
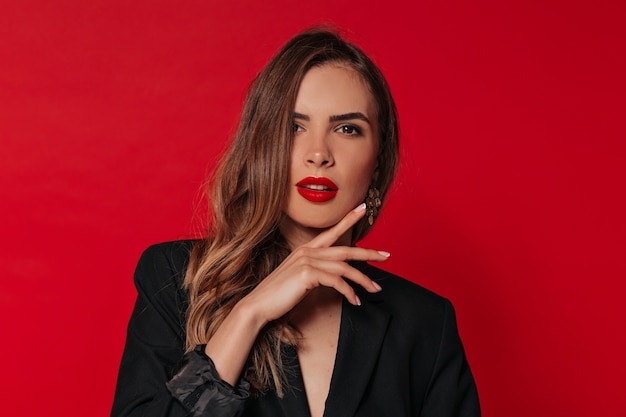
(350,130)
(296,128)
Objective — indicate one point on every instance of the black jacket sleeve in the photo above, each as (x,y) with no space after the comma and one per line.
(451,391)
(200,389)
(155,341)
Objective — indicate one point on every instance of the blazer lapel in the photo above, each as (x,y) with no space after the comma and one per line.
(361,335)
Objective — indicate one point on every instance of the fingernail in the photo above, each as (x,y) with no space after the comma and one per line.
(385,254)
(358,300)
(359,208)
(378,287)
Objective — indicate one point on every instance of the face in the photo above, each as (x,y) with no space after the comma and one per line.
(334,150)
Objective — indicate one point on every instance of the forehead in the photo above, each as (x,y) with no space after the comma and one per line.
(334,89)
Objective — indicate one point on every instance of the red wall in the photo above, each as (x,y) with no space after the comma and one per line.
(510,199)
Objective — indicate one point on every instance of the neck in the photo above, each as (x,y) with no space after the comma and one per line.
(321,303)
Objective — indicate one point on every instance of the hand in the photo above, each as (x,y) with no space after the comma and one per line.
(309,266)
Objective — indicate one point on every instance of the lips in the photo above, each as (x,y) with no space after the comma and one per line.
(317,189)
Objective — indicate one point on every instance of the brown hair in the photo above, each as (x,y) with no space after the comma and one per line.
(249,189)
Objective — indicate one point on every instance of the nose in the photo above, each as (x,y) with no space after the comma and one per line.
(319,153)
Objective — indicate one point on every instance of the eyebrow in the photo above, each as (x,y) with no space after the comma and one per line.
(336,118)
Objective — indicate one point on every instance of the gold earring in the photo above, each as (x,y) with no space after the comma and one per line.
(373,203)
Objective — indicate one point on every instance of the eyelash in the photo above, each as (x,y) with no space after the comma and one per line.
(356,131)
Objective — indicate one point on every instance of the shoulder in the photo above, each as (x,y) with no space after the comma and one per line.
(172,254)
(161,299)
(402,291)
(412,306)
(162,265)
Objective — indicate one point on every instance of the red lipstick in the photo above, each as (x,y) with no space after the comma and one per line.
(317,189)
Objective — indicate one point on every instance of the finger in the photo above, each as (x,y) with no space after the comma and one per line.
(340,285)
(330,236)
(351,253)
(345,271)
(340,253)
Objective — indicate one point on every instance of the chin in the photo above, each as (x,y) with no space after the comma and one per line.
(314,216)
(318,224)
(315,221)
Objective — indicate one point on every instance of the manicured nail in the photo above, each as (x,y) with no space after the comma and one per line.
(378,287)
(385,254)
(358,300)
(359,208)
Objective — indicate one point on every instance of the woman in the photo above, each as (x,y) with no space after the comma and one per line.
(276,313)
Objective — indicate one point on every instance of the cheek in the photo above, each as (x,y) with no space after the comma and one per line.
(370,165)
(365,187)
(365,171)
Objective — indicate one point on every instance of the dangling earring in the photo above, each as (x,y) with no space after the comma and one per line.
(373,203)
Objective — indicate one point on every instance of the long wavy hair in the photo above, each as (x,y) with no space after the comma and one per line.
(248,192)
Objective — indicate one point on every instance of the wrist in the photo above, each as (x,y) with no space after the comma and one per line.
(245,311)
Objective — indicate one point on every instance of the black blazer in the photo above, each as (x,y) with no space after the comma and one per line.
(399,353)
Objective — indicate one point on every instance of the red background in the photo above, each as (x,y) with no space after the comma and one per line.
(510,200)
